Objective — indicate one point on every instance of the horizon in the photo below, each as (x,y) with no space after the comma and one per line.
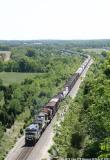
(55,39)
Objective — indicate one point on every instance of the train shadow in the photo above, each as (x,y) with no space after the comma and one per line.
(28,145)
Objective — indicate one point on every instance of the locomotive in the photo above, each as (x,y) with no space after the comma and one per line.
(35,130)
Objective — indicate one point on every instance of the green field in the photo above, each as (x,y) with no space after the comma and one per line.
(95,50)
(14,77)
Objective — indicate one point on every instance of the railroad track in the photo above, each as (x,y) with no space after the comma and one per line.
(26,151)
(24,154)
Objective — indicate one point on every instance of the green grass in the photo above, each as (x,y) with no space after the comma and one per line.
(14,77)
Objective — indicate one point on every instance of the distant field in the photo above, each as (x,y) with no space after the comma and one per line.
(12,77)
(97,50)
(5,55)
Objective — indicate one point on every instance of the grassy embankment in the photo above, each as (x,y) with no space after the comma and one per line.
(11,135)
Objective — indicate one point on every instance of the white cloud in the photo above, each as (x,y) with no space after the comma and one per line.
(54,19)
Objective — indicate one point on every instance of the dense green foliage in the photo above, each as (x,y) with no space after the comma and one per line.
(85,131)
(97,119)
(33,59)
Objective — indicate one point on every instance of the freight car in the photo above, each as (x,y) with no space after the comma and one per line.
(34,131)
(72,81)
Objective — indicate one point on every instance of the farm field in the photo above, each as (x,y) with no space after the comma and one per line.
(12,77)
(95,50)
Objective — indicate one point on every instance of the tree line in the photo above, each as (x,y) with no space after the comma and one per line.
(32,59)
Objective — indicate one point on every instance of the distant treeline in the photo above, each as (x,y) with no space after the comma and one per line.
(74,43)
(4,48)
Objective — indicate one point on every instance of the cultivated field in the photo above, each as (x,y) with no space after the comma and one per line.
(5,55)
(14,77)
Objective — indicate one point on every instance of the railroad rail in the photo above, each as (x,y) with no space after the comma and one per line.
(24,153)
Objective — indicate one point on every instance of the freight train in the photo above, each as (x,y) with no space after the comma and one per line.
(35,130)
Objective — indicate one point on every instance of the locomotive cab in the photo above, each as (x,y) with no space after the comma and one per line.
(32,134)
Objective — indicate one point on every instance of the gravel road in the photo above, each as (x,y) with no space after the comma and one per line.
(40,151)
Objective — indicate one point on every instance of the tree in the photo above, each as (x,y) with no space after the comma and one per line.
(30,52)
(15,107)
(1,82)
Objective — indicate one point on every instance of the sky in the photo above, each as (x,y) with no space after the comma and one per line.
(54,19)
